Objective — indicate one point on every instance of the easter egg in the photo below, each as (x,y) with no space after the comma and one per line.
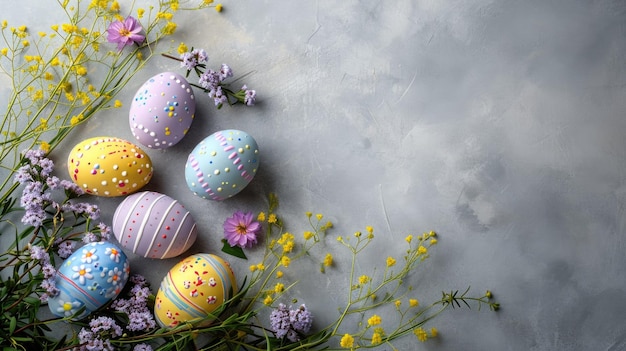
(222,164)
(108,166)
(193,289)
(91,277)
(162,110)
(153,225)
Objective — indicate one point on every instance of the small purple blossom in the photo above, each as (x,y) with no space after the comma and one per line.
(279,320)
(140,320)
(249,97)
(241,230)
(191,59)
(105,324)
(48,271)
(142,347)
(225,71)
(38,253)
(291,323)
(66,248)
(127,32)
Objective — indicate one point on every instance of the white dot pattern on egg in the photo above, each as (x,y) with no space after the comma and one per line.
(109,166)
(154,225)
(162,111)
(222,164)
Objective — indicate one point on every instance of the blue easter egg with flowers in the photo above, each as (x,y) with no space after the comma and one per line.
(222,164)
(91,277)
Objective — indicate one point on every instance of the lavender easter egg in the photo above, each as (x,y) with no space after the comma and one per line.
(91,277)
(154,225)
(194,289)
(108,166)
(162,110)
(222,164)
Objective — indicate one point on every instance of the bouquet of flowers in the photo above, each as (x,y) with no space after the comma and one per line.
(45,219)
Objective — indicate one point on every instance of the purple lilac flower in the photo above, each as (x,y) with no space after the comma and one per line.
(140,320)
(291,323)
(189,60)
(38,253)
(301,319)
(250,96)
(127,32)
(279,320)
(34,155)
(72,187)
(225,71)
(104,323)
(23,175)
(142,347)
(47,166)
(48,271)
(138,279)
(90,237)
(218,96)
(66,248)
(241,229)
(209,79)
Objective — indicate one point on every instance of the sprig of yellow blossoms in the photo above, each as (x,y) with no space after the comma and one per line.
(59,78)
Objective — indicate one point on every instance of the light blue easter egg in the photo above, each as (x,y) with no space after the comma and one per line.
(222,164)
(91,277)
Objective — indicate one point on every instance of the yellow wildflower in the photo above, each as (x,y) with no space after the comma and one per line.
(117,104)
(4,51)
(328,260)
(252,268)
(43,124)
(409,238)
(174,5)
(422,250)
(139,56)
(369,229)
(319,216)
(285,261)
(218,7)
(374,320)
(285,238)
(140,12)
(81,70)
(206,2)
(488,294)
(260,266)
(434,332)
(165,15)
(288,247)
(261,216)
(55,27)
(347,341)
(391,261)
(272,218)
(4,24)
(309,214)
(44,146)
(398,303)
(25,43)
(279,287)
(55,61)
(279,274)
(48,76)
(413,302)
(74,121)
(169,28)
(182,48)
(268,300)
(308,235)
(42,34)
(357,234)
(115,6)
(22,28)
(433,241)
(421,334)
(432,234)
(364,279)
(376,338)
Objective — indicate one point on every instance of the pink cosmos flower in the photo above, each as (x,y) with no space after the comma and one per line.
(125,33)
(241,230)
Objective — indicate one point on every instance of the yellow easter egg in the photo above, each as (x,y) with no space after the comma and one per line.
(109,166)
(193,289)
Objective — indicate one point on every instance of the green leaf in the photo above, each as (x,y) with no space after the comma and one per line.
(233,250)
(12,324)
